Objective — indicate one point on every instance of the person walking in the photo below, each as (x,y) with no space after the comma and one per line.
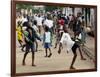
(30,44)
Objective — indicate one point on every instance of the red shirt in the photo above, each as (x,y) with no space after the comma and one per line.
(61,22)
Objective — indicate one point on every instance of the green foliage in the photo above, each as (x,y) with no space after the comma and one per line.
(50,8)
(24,6)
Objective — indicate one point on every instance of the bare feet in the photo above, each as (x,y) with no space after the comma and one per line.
(59,51)
(72,68)
(23,64)
(55,47)
(83,58)
(67,52)
(33,65)
(45,56)
(50,55)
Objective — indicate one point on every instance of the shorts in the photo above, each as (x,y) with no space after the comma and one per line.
(74,47)
(47,45)
(30,46)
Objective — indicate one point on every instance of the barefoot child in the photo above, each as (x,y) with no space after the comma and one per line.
(30,44)
(71,45)
(80,42)
(47,42)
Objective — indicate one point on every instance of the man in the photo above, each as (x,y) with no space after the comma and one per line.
(30,39)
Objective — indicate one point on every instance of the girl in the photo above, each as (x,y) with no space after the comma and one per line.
(47,42)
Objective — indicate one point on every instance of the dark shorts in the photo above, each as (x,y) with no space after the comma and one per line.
(47,45)
(30,46)
(75,46)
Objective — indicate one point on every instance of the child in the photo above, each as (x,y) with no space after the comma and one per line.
(47,41)
(39,23)
(19,33)
(71,45)
(37,32)
(80,42)
(30,44)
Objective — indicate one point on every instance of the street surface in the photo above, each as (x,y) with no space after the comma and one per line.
(56,62)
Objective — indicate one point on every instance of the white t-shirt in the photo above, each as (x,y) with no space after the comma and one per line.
(24,20)
(48,23)
(47,37)
(70,18)
(79,37)
(35,28)
(39,21)
(67,39)
(35,17)
(79,19)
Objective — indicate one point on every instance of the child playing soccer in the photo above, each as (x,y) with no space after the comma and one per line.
(71,45)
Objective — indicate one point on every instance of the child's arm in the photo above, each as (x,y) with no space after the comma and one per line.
(43,38)
(36,36)
(51,37)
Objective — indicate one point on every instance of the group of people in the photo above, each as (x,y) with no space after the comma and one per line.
(43,27)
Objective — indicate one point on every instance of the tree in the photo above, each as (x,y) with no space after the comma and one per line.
(24,6)
(50,8)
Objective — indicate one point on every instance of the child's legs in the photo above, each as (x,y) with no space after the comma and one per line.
(39,29)
(26,52)
(75,55)
(49,53)
(49,50)
(23,47)
(46,47)
(36,45)
(20,42)
(33,53)
(57,41)
(25,57)
(33,57)
(46,52)
(80,51)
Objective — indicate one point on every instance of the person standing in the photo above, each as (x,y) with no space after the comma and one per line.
(39,23)
(47,42)
(49,23)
